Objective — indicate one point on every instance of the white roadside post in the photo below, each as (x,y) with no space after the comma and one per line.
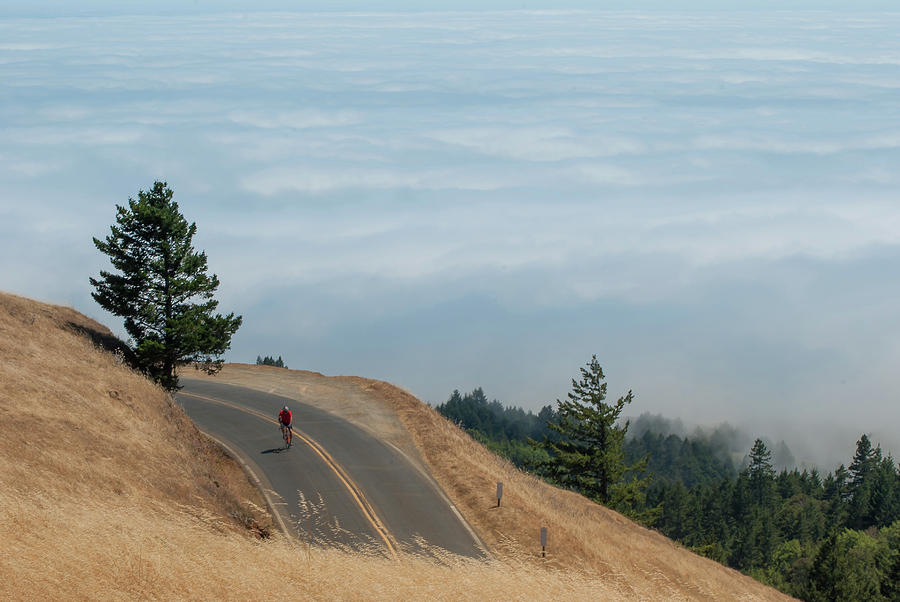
(499,492)
(543,542)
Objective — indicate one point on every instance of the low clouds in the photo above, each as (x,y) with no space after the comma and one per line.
(294,120)
(304,179)
(78,136)
(777,144)
(537,143)
(708,202)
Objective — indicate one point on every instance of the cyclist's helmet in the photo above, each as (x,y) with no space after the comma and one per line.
(285,408)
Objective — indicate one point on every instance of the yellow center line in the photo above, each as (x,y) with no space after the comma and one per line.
(355,492)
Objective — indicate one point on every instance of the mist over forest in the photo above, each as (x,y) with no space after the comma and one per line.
(797,449)
(824,448)
(751,508)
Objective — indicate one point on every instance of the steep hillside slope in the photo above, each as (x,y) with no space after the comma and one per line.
(89,451)
(107,491)
(584,537)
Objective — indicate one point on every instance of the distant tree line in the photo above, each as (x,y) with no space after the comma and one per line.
(831,537)
(504,430)
(674,459)
(268,361)
(817,538)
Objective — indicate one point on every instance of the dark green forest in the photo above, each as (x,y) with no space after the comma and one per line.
(504,430)
(833,536)
(269,361)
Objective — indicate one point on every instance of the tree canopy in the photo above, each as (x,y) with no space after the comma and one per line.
(588,454)
(831,537)
(270,361)
(161,287)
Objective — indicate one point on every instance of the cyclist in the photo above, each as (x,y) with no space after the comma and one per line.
(285,421)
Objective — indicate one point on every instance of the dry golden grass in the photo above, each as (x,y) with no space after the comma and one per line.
(105,551)
(582,535)
(107,491)
(585,539)
(78,424)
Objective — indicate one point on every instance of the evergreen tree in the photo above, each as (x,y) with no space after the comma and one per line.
(270,361)
(761,474)
(788,530)
(863,462)
(890,584)
(589,455)
(850,565)
(821,578)
(884,493)
(862,472)
(676,511)
(162,289)
(836,493)
(510,428)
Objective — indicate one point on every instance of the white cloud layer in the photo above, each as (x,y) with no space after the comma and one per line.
(707,201)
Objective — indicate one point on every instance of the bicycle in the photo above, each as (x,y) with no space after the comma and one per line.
(288,436)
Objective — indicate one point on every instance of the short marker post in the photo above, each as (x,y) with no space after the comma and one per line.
(499,492)
(543,542)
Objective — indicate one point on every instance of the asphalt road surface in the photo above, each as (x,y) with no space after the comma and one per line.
(337,485)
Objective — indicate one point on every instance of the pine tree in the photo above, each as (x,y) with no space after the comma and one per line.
(159,275)
(890,583)
(862,473)
(884,494)
(761,474)
(588,455)
(836,495)
(824,569)
(864,461)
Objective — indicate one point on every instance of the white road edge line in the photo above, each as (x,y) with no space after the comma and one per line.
(434,484)
(256,480)
(429,479)
(367,510)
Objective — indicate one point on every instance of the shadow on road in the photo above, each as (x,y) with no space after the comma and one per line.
(274,450)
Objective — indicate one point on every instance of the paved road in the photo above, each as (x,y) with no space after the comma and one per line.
(338,485)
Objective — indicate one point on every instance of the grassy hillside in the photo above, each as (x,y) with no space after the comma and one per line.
(108,491)
(584,538)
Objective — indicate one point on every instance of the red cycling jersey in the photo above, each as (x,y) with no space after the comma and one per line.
(285,417)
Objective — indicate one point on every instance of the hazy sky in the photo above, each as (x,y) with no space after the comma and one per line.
(707,201)
(57,8)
